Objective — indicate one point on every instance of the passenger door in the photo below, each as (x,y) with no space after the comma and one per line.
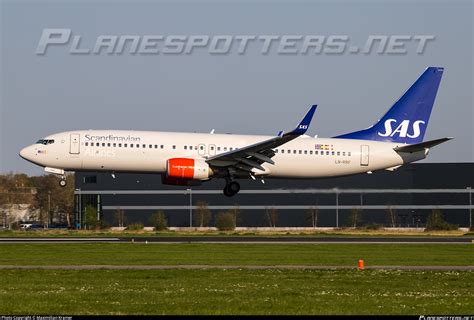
(75,144)
(364,155)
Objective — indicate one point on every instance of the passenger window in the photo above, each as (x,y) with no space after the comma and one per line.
(225,148)
(218,148)
(333,153)
(114,145)
(212,148)
(344,153)
(282,150)
(294,151)
(138,146)
(108,144)
(310,151)
(174,147)
(349,154)
(327,153)
(276,150)
(124,145)
(150,146)
(87,143)
(120,145)
(131,145)
(289,151)
(338,153)
(316,152)
(185,147)
(201,147)
(162,146)
(156,146)
(103,144)
(306,152)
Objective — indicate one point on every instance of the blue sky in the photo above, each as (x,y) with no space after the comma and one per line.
(249,93)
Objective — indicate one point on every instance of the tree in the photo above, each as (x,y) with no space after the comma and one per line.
(15,190)
(159,220)
(91,222)
(202,215)
(225,221)
(436,221)
(272,216)
(355,217)
(119,217)
(53,201)
(392,216)
(313,216)
(235,214)
(64,199)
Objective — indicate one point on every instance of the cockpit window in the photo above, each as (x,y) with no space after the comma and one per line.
(45,141)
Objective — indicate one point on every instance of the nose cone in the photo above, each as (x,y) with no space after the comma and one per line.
(27,153)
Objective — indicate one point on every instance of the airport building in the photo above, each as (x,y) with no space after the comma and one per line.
(403,198)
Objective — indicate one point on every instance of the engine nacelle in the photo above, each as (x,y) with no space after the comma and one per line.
(186,168)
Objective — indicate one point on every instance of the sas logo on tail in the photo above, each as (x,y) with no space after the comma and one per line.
(401,129)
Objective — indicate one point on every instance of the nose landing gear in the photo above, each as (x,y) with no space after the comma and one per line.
(62,182)
(231,188)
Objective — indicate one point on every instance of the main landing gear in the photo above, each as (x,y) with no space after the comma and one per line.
(231,188)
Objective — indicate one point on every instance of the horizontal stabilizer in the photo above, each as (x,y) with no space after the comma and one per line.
(421,146)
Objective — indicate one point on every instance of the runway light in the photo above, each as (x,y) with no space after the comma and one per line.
(361,264)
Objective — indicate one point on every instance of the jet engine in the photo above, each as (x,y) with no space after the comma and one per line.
(188,169)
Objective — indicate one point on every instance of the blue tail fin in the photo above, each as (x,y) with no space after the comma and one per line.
(407,119)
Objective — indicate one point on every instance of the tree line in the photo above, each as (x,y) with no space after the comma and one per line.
(45,200)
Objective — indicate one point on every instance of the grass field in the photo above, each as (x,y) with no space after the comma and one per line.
(236,254)
(236,291)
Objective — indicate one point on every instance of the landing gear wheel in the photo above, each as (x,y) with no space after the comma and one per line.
(62,183)
(231,189)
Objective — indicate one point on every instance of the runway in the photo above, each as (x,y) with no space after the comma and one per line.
(246,240)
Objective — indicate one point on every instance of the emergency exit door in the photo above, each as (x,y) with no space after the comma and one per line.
(74,143)
(364,155)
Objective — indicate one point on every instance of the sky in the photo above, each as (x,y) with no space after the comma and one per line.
(250,93)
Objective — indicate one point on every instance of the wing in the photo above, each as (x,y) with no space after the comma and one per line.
(253,156)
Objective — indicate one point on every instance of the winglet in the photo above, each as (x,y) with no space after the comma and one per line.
(304,124)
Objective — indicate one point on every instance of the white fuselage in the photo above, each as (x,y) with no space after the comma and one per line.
(146,151)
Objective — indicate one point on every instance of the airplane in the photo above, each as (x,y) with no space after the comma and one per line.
(188,159)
